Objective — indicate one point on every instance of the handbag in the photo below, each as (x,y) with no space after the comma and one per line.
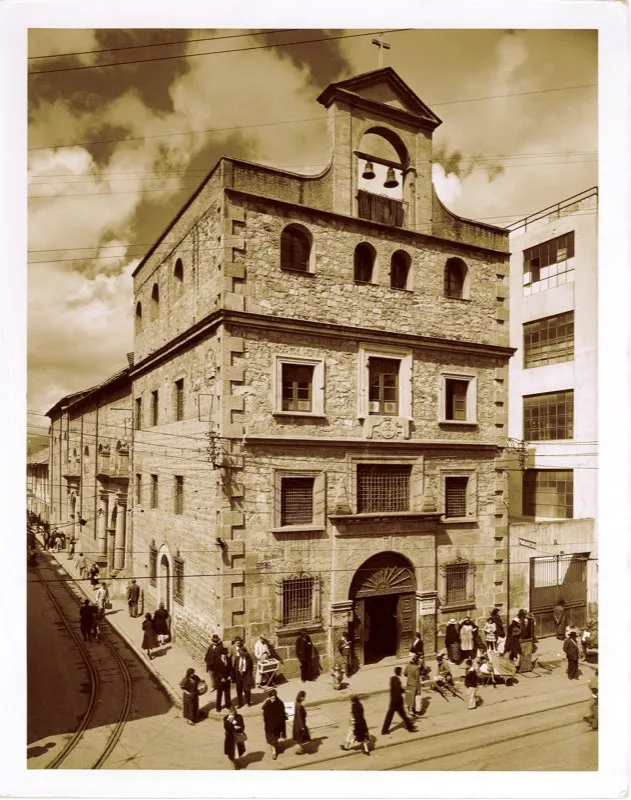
(202,687)
(240,736)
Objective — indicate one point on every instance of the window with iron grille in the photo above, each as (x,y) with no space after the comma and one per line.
(138,413)
(295,248)
(154,491)
(296,501)
(547,264)
(456,587)
(154,407)
(383,386)
(297,601)
(153,563)
(179,399)
(363,263)
(549,416)
(178,579)
(297,387)
(455,274)
(456,399)
(549,340)
(383,488)
(138,489)
(456,496)
(548,493)
(178,497)
(399,270)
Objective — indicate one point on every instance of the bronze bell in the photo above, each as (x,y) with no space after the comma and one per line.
(391,180)
(369,171)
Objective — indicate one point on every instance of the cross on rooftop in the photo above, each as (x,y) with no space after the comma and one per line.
(382,46)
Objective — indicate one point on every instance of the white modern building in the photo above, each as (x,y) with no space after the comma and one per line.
(552,410)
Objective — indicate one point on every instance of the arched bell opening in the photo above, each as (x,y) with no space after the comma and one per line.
(383,594)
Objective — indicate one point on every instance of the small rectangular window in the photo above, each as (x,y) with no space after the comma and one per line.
(178,497)
(297,387)
(178,579)
(456,399)
(138,489)
(153,563)
(154,408)
(538,258)
(179,400)
(154,491)
(383,386)
(548,493)
(296,501)
(138,413)
(456,496)
(297,601)
(383,488)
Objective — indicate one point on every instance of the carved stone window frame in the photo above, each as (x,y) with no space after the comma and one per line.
(472,494)
(469,601)
(404,356)
(317,387)
(417,478)
(315,622)
(319,500)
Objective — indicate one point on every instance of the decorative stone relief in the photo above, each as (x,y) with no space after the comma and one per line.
(377,427)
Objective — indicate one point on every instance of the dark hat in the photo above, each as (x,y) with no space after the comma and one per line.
(215,638)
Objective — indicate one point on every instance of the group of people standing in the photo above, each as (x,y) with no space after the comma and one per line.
(465,640)
(156,627)
(234,664)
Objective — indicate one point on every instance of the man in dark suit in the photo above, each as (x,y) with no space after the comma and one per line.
(244,676)
(417,645)
(304,653)
(223,677)
(211,658)
(396,704)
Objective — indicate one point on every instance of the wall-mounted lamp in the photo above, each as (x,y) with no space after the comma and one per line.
(220,542)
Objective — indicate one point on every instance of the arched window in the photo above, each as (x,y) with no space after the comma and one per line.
(155,302)
(178,278)
(455,279)
(138,320)
(295,248)
(363,263)
(399,270)
(86,451)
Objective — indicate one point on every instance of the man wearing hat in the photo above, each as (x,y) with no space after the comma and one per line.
(212,658)
(570,648)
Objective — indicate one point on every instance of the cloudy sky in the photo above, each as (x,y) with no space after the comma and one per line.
(114,151)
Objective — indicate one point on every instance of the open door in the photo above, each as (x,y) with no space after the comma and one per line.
(357,631)
(405,623)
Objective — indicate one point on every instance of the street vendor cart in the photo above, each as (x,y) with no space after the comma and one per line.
(266,671)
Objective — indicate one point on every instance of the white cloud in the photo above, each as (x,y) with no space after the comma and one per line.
(448,187)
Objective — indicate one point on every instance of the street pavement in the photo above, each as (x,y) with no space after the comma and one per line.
(201,746)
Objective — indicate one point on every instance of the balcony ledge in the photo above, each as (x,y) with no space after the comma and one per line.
(387,516)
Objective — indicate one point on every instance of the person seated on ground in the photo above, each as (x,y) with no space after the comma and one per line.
(444,678)
(485,668)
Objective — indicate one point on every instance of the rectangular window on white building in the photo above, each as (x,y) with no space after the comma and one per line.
(549,340)
(549,416)
(548,264)
(548,493)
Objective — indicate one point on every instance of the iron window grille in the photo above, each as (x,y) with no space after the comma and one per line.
(297,601)
(138,489)
(549,340)
(456,488)
(296,501)
(178,579)
(138,415)
(154,407)
(548,493)
(383,488)
(153,563)
(154,491)
(383,386)
(295,249)
(549,416)
(547,264)
(179,400)
(455,273)
(456,583)
(399,270)
(363,263)
(456,399)
(178,505)
(297,387)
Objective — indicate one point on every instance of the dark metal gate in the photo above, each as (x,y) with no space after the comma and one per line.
(555,578)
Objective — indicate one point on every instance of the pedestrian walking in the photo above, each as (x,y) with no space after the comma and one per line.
(417,646)
(274,721)
(190,685)
(499,625)
(358,728)
(47,536)
(304,654)
(235,736)
(102,599)
(412,674)
(244,676)
(149,639)
(452,641)
(344,649)
(86,617)
(558,615)
(133,596)
(471,682)
(93,574)
(468,630)
(82,566)
(212,657)
(162,624)
(301,734)
(490,636)
(571,650)
(73,542)
(223,676)
(396,704)
(96,630)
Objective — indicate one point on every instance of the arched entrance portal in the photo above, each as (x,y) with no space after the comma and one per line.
(383,595)
(164,580)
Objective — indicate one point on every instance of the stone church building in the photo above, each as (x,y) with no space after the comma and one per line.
(319,391)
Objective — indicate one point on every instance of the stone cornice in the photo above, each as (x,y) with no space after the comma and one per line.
(368,444)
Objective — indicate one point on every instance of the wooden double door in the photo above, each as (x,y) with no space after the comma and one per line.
(383,625)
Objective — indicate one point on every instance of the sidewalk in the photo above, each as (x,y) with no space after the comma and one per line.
(170,662)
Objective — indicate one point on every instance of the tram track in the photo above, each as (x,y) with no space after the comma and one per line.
(96,723)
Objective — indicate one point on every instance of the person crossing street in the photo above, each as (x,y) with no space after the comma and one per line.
(396,704)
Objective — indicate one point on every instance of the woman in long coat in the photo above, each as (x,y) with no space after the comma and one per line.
(467,638)
(358,727)
(275,721)
(413,685)
(190,697)
(149,640)
(300,731)
(161,620)
(512,648)
(234,736)
(452,641)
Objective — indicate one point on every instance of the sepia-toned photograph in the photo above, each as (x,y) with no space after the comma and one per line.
(312,440)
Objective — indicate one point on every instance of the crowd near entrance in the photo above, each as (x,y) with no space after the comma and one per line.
(383,595)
